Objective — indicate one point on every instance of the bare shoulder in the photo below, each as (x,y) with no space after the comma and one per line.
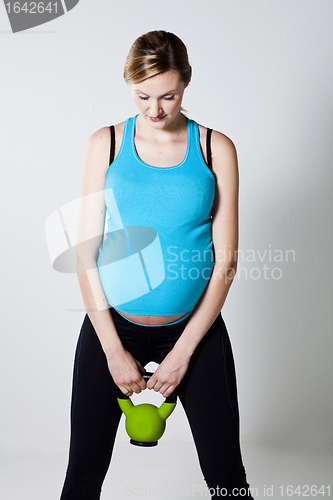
(99,144)
(222,144)
(100,139)
(225,171)
(222,147)
(102,136)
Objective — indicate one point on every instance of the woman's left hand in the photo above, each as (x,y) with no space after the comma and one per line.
(169,373)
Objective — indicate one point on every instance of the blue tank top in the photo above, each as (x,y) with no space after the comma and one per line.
(157,255)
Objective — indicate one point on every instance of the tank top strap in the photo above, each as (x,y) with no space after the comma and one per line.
(126,142)
(195,150)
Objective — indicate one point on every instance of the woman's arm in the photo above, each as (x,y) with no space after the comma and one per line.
(225,240)
(123,367)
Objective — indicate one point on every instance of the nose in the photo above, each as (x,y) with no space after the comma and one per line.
(155,108)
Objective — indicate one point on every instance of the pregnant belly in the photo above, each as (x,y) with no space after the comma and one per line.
(151,320)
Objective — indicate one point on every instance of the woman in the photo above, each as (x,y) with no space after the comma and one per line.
(155,287)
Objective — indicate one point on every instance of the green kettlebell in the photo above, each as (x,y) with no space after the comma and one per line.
(145,423)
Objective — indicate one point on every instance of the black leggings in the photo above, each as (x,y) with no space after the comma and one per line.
(207,393)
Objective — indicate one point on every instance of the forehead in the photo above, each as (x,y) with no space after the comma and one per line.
(159,84)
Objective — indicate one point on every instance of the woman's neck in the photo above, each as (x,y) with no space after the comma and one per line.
(178,124)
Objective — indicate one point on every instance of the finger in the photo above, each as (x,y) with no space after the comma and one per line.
(153,383)
(166,391)
(163,390)
(142,383)
(139,385)
(137,388)
(160,387)
(125,390)
(142,368)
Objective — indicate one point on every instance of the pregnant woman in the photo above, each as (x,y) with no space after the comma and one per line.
(155,281)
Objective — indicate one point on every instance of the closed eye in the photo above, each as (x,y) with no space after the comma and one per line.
(171,98)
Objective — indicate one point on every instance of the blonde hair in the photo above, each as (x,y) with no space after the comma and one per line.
(154,53)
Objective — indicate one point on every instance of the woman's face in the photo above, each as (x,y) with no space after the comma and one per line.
(159,98)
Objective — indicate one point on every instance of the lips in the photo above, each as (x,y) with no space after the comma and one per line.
(156,119)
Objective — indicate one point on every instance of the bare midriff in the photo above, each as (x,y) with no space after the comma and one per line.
(151,320)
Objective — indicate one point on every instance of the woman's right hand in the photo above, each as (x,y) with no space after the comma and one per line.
(125,371)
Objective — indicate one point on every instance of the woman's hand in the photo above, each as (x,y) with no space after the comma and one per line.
(170,373)
(125,371)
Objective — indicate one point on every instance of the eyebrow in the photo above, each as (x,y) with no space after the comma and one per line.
(166,93)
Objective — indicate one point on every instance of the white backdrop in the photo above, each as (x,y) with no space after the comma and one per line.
(262,74)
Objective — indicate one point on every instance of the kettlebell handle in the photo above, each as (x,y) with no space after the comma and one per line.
(146,375)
